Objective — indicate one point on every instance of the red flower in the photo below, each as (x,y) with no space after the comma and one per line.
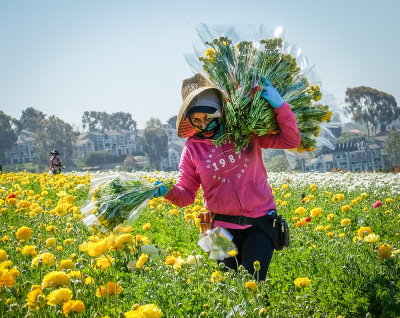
(302,201)
(308,219)
(288,180)
(11,195)
(376,204)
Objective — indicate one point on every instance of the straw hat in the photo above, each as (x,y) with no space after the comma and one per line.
(190,88)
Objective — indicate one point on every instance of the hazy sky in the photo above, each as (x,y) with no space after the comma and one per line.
(65,57)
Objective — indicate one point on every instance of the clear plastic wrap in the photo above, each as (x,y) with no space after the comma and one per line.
(217,242)
(237,59)
(115,200)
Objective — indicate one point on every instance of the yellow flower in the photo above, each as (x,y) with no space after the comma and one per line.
(55,279)
(302,282)
(170,260)
(142,260)
(104,262)
(313,187)
(3,255)
(146,311)
(341,235)
(389,200)
(45,258)
(345,208)
(146,226)
(371,238)
(111,289)
(232,253)
(35,298)
(330,217)
(215,277)
(5,238)
(385,251)
(59,296)
(51,241)
(89,280)
(51,228)
(73,305)
(330,234)
(251,285)
(284,186)
(122,240)
(29,250)
(24,233)
(328,227)
(96,249)
(66,264)
(174,211)
(319,228)
(300,211)
(345,222)
(363,231)
(316,212)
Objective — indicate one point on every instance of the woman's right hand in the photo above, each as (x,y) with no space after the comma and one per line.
(271,95)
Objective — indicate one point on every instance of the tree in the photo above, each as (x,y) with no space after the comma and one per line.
(94,121)
(97,158)
(371,107)
(278,163)
(53,133)
(30,119)
(392,147)
(155,145)
(8,135)
(130,162)
(121,120)
(153,123)
(172,121)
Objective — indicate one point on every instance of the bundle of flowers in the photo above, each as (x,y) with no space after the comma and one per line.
(115,200)
(240,70)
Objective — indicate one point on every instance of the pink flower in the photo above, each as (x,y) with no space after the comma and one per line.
(308,219)
(376,204)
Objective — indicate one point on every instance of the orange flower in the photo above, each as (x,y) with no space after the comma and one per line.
(111,289)
(24,233)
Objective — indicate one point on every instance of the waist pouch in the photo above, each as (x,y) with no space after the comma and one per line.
(274,226)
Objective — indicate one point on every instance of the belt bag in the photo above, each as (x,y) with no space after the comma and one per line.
(275,227)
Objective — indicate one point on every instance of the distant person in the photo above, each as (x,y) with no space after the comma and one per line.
(1,168)
(55,162)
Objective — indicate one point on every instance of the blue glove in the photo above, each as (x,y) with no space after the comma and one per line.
(160,191)
(271,94)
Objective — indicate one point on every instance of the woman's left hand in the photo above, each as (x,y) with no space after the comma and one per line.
(271,95)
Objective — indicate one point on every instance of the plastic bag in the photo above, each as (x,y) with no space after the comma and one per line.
(218,243)
(236,59)
(116,200)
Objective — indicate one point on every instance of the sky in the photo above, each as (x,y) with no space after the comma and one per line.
(66,57)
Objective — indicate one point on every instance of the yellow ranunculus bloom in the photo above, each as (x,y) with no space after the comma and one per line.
(55,279)
(73,305)
(59,296)
(385,251)
(302,282)
(252,285)
(66,264)
(345,208)
(51,241)
(345,222)
(45,258)
(24,233)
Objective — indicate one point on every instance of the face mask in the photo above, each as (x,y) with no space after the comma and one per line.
(212,129)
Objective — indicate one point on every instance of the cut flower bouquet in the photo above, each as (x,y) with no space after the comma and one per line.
(240,69)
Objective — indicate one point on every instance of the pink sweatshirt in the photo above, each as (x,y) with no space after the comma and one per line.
(233,184)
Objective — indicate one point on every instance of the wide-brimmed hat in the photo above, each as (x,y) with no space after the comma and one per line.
(191,87)
(54,152)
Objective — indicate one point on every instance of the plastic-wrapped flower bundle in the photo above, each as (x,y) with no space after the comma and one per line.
(116,200)
(239,68)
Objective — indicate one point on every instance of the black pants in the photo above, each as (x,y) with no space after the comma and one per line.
(253,245)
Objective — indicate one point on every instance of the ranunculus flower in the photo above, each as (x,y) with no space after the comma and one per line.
(308,219)
(376,204)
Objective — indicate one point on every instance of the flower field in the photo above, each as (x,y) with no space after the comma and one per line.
(343,261)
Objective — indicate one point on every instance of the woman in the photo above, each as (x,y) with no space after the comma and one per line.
(233,184)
